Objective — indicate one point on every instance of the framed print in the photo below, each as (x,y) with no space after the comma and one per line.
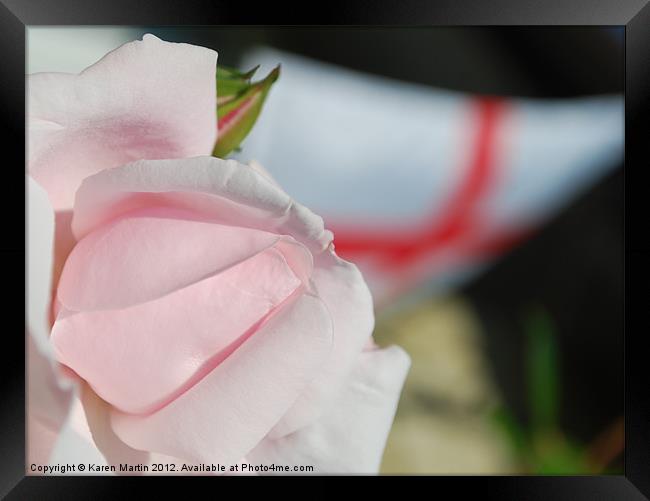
(388,243)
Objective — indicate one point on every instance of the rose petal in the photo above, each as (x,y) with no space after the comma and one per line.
(142,257)
(40,244)
(64,242)
(254,164)
(351,436)
(142,357)
(225,415)
(75,443)
(98,430)
(146,99)
(222,190)
(87,437)
(341,286)
(48,396)
(48,404)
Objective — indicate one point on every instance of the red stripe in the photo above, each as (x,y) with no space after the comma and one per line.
(401,246)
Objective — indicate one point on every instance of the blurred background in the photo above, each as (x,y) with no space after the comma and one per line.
(476,177)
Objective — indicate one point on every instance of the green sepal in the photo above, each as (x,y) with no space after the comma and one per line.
(231,83)
(238,111)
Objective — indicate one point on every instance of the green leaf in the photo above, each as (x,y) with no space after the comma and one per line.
(542,372)
(238,111)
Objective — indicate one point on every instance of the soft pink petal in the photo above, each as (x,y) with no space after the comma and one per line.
(146,99)
(75,442)
(96,415)
(48,395)
(222,190)
(341,286)
(88,437)
(351,436)
(48,404)
(149,254)
(64,242)
(254,164)
(142,357)
(225,415)
(40,244)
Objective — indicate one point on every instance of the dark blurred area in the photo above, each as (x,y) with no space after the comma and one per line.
(573,266)
(511,61)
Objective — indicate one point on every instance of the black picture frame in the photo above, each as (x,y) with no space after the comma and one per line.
(16,15)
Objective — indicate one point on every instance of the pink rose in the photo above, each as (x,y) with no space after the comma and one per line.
(199,314)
